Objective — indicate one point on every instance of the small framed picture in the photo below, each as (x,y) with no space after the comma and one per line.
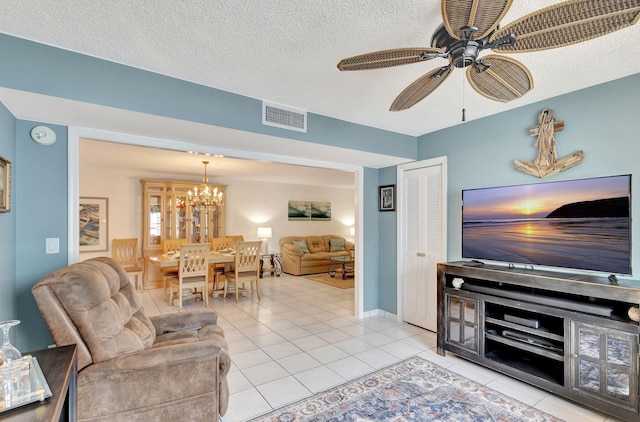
(5,185)
(387,197)
(94,214)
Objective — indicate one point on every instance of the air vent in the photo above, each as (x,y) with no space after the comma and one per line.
(284,117)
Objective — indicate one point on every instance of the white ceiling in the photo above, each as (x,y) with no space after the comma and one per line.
(286,51)
(167,164)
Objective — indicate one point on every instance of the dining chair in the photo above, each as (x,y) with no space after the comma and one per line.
(236,238)
(125,252)
(193,273)
(217,270)
(170,245)
(247,267)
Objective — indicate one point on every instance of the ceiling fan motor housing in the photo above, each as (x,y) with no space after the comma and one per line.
(462,53)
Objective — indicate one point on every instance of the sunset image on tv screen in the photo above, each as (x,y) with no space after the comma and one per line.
(581,224)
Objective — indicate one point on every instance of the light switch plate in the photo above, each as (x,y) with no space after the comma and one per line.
(52,245)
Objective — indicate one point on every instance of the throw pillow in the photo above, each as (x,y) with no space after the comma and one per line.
(336,245)
(302,244)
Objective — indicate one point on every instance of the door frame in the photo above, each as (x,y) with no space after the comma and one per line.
(74,133)
(437,161)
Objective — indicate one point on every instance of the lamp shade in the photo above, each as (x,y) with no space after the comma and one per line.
(264,233)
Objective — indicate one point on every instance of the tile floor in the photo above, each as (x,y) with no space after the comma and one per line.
(303,338)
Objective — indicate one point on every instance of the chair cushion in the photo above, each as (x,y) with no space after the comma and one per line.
(241,274)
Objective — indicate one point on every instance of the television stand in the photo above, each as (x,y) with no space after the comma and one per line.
(569,334)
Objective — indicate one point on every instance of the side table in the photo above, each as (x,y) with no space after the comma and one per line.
(275,258)
(59,367)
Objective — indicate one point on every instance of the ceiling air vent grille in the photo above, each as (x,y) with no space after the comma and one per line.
(284,117)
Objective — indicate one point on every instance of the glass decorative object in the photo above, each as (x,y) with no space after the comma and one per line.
(8,352)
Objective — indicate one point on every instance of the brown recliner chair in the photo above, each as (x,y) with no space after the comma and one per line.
(133,367)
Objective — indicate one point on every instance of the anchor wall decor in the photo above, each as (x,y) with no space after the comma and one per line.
(547,162)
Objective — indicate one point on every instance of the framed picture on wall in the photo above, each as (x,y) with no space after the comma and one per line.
(387,198)
(93,224)
(5,185)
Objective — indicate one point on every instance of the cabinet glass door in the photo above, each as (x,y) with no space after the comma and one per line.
(462,322)
(180,223)
(605,363)
(196,223)
(155,219)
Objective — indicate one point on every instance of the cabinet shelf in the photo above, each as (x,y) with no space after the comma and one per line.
(531,348)
(540,332)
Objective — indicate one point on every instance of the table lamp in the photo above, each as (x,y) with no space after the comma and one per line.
(264,233)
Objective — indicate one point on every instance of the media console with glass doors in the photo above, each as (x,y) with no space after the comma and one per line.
(570,334)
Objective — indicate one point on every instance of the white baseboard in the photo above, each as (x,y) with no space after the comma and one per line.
(377,313)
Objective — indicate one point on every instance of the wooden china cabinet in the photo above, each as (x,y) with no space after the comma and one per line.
(166,214)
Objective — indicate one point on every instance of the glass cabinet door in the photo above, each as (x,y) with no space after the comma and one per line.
(462,322)
(180,222)
(155,218)
(196,223)
(605,363)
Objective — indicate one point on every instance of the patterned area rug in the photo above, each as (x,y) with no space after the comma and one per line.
(412,390)
(336,281)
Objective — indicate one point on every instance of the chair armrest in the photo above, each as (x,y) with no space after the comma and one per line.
(179,321)
(291,249)
(348,246)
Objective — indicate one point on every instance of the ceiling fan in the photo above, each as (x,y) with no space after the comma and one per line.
(471,26)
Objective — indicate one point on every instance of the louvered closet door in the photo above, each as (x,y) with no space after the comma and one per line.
(423,246)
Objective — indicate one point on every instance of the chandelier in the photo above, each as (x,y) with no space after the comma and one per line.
(203,195)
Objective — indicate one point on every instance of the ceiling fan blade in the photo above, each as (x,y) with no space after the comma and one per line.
(569,23)
(389,58)
(482,14)
(504,80)
(420,88)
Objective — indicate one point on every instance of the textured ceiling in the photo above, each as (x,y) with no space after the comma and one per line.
(286,51)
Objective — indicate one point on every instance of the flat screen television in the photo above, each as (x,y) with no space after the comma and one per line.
(578,224)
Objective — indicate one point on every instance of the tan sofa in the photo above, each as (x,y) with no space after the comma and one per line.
(297,262)
(132,367)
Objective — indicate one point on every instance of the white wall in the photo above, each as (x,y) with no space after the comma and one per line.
(249,205)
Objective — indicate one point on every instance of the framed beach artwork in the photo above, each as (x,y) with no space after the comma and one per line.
(321,211)
(93,224)
(5,185)
(299,210)
(387,198)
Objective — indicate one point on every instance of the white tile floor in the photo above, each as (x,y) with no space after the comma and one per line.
(302,338)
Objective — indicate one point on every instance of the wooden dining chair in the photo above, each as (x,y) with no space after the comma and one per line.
(125,252)
(170,245)
(247,267)
(218,270)
(193,273)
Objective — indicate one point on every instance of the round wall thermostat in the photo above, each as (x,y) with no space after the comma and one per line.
(43,135)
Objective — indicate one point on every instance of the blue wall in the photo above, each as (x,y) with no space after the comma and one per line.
(8,222)
(387,244)
(41,205)
(602,121)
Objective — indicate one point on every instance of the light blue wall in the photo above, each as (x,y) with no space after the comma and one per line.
(387,240)
(602,121)
(42,187)
(41,202)
(8,223)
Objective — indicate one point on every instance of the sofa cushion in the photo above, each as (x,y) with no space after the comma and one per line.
(302,244)
(316,244)
(336,245)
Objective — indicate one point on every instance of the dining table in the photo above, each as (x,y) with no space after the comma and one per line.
(168,260)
